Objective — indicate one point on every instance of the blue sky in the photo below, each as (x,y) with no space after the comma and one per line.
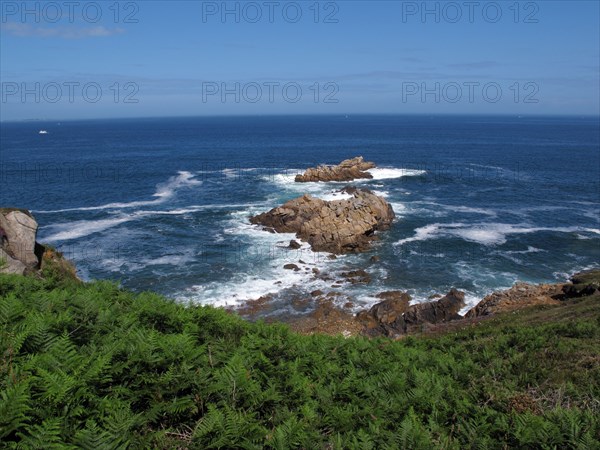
(187,58)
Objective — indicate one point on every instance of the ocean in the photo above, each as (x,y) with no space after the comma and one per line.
(163,204)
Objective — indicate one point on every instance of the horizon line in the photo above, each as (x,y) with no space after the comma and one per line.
(347,115)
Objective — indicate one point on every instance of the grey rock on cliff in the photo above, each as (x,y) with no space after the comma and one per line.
(338,226)
(347,170)
(17,241)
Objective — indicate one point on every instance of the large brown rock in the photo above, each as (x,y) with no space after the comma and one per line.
(347,170)
(385,317)
(338,226)
(18,229)
(393,316)
(443,310)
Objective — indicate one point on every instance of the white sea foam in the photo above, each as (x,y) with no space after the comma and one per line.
(387,173)
(284,178)
(399,208)
(197,208)
(383,194)
(335,195)
(595,214)
(265,254)
(320,190)
(81,228)
(170,260)
(456,208)
(287,178)
(530,249)
(482,235)
(421,234)
(471,301)
(242,287)
(164,191)
(565,276)
(75,230)
(266,276)
(485,233)
(115,264)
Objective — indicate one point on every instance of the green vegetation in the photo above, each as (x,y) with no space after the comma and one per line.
(94,366)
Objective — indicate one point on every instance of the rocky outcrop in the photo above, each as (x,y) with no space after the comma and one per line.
(442,310)
(21,254)
(521,295)
(386,316)
(583,284)
(327,318)
(18,248)
(524,295)
(347,170)
(337,226)
(393,316)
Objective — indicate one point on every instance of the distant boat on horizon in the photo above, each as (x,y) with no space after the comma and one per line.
(43,132)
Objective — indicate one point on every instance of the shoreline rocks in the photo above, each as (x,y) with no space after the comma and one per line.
(523,295)
(394,316)
(519,296)
(336,226)
(347,170)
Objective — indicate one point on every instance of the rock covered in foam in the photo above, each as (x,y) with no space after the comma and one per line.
(347,170)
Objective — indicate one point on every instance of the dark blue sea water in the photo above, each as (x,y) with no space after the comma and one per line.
(163,204)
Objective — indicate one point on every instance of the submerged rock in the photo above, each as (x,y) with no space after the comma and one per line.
(338,226)
(347,170)
(358,276)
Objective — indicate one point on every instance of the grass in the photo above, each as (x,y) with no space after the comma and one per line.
(95,366)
